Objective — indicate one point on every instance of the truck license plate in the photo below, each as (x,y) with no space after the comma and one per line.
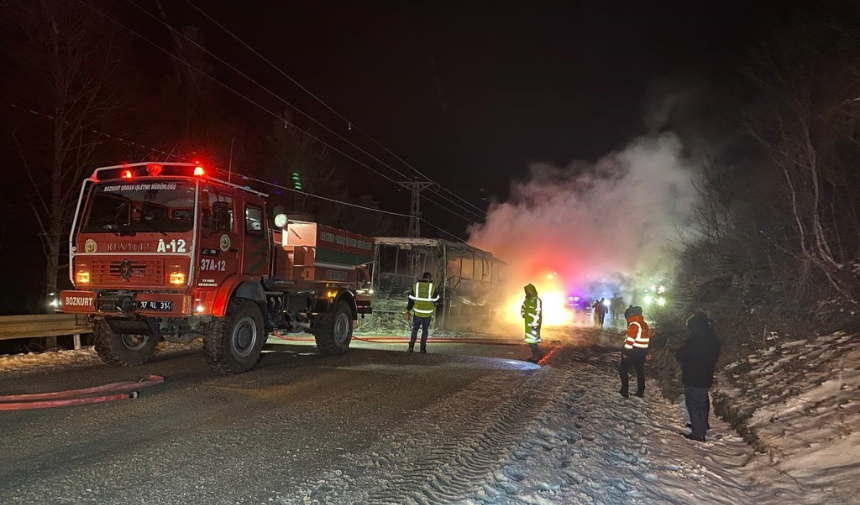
(159,306)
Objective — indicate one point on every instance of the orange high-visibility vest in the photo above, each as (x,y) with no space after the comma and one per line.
(638,333)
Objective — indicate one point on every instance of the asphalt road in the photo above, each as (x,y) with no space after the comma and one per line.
(268,436)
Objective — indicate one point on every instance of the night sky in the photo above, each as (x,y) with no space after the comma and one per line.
(471,92)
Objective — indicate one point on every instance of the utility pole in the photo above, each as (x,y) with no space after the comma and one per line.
(416,187)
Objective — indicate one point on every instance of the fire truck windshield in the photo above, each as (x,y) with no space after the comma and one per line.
(127,208)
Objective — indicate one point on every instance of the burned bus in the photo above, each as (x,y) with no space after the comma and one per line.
(469,280)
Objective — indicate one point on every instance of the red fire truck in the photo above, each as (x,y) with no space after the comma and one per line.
(164,250)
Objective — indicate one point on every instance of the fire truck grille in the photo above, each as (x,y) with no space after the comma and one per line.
(145,272)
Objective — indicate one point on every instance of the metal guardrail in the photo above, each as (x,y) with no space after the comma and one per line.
(43,325)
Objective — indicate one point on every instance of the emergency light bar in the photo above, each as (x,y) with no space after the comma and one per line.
(160,169)
(127,171)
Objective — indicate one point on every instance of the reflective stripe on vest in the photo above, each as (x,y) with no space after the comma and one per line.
(638,342)
(425,302)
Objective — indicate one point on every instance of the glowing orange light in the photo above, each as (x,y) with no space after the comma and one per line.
(127,174)
(198,171)
(555,309)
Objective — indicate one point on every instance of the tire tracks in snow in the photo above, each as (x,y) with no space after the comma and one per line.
(453,471)
(446,452)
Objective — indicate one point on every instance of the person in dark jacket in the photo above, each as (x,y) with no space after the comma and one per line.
(628,312)
(601,309)
(698,357)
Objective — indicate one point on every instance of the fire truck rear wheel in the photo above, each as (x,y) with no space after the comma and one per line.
(233,343)
(333,332)
(123,350)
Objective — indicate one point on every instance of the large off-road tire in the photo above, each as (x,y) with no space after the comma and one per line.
(333,331)
(233,343)
(122,350)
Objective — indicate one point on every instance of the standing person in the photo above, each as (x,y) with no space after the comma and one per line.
(698,357)
(422,299)
(634,352)
(602,309)
(532,312)
(594,312)
(617,308)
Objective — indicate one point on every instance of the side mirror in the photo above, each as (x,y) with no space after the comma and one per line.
(281,221)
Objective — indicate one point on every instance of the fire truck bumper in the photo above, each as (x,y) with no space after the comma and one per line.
(126,304)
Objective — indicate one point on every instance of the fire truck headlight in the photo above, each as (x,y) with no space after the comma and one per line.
(82,277)
(177,278)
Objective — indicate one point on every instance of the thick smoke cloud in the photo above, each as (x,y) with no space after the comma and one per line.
(615,221)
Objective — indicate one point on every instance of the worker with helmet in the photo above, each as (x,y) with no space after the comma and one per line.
(532,312)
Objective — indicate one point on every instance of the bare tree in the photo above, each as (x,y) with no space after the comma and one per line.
(69,66)
(808,126)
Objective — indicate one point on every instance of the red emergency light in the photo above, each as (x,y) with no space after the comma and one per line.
(127,174)
(198,171)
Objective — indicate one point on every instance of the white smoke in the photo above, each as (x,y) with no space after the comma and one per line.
(618,218)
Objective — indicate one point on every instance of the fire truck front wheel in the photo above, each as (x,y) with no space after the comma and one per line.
(233,343)
(333,332)
(123,350)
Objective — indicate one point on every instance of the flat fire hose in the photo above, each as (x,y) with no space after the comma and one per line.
(99,394)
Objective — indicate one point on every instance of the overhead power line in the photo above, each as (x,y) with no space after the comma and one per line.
(234,91)
(264,88)
(278,97)
(245,177)
(261,107)
(350,124)
(97,132)
(325,198)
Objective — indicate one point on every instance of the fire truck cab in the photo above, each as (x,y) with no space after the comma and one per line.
(163,250)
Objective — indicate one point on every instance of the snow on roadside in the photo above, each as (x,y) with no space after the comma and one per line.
(594,446)
(584,444)
(801,401)
(52,361)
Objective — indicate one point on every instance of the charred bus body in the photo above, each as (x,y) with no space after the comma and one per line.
(161,250)
(470,280)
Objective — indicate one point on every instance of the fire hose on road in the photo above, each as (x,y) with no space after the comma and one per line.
(395,340)
(99,394)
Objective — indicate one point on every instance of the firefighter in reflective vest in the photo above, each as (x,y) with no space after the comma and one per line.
(635,351)
(422,301)
(532,312)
